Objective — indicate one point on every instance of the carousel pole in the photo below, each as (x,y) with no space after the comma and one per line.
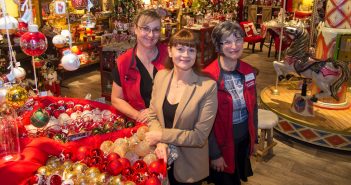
(312,24)
(276,91)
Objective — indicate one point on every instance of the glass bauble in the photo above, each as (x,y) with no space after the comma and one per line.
(16,96)
(9,141)
(8,22)
(70,62)
(59,41)
(33,42)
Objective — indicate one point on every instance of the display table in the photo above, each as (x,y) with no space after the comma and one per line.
(328,128)
(35,151)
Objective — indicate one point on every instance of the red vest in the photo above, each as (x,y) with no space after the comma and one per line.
(130,76)
(223,125)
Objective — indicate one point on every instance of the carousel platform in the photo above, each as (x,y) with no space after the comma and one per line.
(328,128)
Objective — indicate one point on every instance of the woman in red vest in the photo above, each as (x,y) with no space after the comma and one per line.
(234,133)
(136,68)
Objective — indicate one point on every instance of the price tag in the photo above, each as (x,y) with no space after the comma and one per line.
(26,16)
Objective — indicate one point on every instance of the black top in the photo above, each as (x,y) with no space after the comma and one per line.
(146,81)
(169,113)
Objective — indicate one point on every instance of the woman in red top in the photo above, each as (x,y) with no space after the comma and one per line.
(136,68)
(235,129)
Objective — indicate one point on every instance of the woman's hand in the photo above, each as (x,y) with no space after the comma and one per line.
(218,164)
(161,151)
(142,116)
(153,137)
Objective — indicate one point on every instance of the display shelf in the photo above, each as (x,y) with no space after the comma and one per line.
(260,13)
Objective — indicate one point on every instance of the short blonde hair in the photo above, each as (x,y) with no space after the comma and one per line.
(146,16)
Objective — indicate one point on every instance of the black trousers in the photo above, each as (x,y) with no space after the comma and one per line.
(173,181)
(242,165)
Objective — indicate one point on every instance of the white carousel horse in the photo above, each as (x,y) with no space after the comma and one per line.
(328,75)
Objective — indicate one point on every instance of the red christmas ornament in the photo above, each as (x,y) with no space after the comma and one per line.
(113,156)
(153,181)
(128,173)
(125,162)
(22,27)
(158,166)
(95,161)
(54,180)
(82,153)
(79,4)
(78,107)
(70,104)
(33,42)
(139,178)
(140,166)
(114,167)
(69,111)
(96,152)
(87,107)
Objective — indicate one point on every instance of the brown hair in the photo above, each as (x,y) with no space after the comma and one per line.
(146,16)
(186,38)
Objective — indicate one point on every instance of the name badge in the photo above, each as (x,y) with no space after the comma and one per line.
(249,77)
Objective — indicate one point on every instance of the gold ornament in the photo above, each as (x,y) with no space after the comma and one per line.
(116,180)
(44,170)
(141,132)
(149,158)
(106,147)
(79,167)
(142,149)
(92,172)
(67,165)
(102,178)
(67,174)
(16,96)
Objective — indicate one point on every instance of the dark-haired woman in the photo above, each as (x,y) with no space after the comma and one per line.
(184,103)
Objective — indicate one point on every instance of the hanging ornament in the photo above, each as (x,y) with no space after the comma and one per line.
(16,96)
(70,61)
(59,41)
(8,22)
(79,4)
(19,73)
(40,118)
(59,8)
(22,27)
(89,20)
(33,43)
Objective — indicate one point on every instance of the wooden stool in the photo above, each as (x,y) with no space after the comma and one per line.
(266,121)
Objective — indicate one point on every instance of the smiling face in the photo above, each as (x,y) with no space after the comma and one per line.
(148,31)
(232,47)
(183,57)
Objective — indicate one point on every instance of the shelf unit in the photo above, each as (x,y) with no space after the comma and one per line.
(260,13)
(108,57)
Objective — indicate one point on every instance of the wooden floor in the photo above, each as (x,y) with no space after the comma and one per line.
(294,163)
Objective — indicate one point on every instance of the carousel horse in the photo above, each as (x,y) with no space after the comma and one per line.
(328,74)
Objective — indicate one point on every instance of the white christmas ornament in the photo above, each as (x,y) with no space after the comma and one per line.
(63,118)
(59,41)
(70,62)
(3,91)
(19,73)
(8,22)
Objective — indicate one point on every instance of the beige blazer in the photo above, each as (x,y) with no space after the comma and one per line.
(192,124)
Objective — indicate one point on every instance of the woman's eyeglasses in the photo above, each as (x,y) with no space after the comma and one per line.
(147,30)
(230,43)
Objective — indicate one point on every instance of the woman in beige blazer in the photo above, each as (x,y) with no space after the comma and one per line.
(184,103)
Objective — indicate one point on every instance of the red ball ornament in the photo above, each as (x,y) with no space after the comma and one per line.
(158,166)
(54,180)
(125,162)
(82,153)
(33,42)
(22,27)
(96,152)
(87,107)
(140,166)
(95,161)
(114,167)
(128,173)
(153,181)
(113,156)
(139,178)
(78,107)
